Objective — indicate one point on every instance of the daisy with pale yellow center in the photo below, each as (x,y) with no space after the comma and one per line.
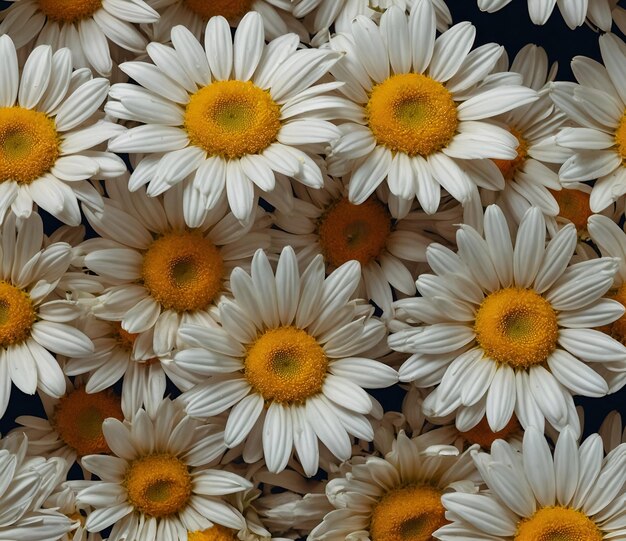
(230,116)
(157,484)
(47,130)
(422,103)
(325,222)
(290,358)
(86,27)
(575,494)
(598,105)
(33,323)
(509,327)
(162,273)
(397,497)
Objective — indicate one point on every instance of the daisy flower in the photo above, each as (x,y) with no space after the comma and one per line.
(510,327)
(528,180)
(325,222)
(320,15)
(47,126)
(229,116)
(33,325)
(164,274)
(73,427)
(194,14)
(598,104)
(157,484)
(85,27)
(290,358)
(421,111)
(575,494)
(26,482)
(575,12)
(396,496)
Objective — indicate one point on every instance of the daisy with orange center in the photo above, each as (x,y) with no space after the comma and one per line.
(163,274)
(95,30)
(290,357)
(397,497)
(158,476)
(575,494)
(509,327)
(232,118)
(324,221)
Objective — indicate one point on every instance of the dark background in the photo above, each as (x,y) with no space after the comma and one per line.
(512,28)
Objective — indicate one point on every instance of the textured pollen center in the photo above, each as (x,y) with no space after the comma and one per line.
(286,365)
(17,315)
(412,113)
(620,138)
(359,232)
(509,167)
(232,119)
(411,513)
(517,327)
(214,533)
(484,436)
(211,8)
(558,524)
(29,144)
(69,11)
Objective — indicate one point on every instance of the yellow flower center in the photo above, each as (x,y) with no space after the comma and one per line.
(509,167)
(617,329)
(226,8)
(17,315)
(29,144)
(573,206)
(183,271)
(286,365)
(620,138)
(348,231)
(158,485)
(125,339)
(483,436)
(69,11)
(214,533)
(558,524)
(411,513)
(412,113)
(232,118)
(78,419)
(516,326)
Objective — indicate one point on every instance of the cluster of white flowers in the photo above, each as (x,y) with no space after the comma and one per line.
(270,207)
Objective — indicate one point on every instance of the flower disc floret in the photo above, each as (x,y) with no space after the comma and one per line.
(214,533)
(232,119)
(411,513)
(69,11)
(17,315)
(558,524)
(412,113)
(484,436)
(183,271)
(360,232)
(158,485)
(573,206)
(29,144)
(516,326)
(226,8)
(620,138)
(286,365)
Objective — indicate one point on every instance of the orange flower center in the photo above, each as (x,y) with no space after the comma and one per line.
(558,524)
(226,8)
(17,315)
(509,167)
(483,436)
(69,11)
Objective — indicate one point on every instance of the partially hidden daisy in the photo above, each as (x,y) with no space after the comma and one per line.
(229,115)
(194,14)
(33,324)
(158,485)
(162,272)
(397,496)
(290,358)
(422,107)
(598,105)
(324,221)
(575,493)
(48,126)
(510,327)
(26,482)
(574,12)
(85,27)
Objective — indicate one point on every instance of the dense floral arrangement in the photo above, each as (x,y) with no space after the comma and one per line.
(265,211)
